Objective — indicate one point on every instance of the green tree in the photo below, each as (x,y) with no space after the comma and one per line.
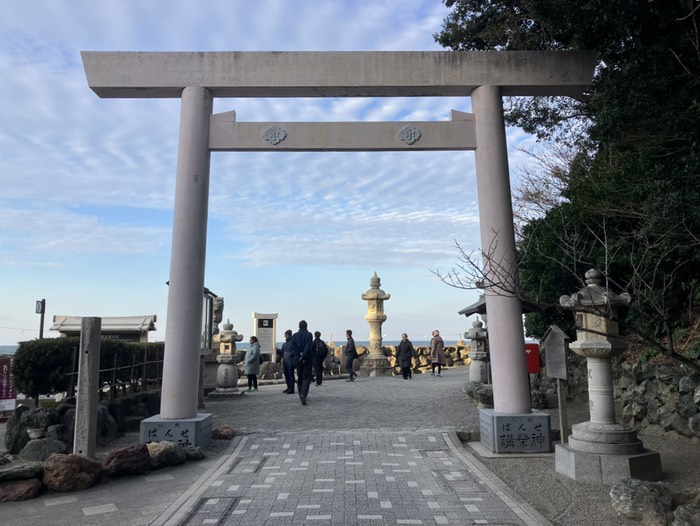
(628,190)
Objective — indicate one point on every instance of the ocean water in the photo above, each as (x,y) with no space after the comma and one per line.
(10,349)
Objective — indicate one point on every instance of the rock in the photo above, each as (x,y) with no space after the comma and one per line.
(686,515)
(224,432)
(107,428)
(165,454)
(194,453)
(131,460)
(641,500)
(17,490)
(41,449)
(16,436)
(70,472)
(60,432)
(20,470)
(41,418)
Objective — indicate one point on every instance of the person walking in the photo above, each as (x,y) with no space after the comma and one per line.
(437,353)
(320,353)
(288,362)
(251,363)
(350,356)
(303,357)
(405,353)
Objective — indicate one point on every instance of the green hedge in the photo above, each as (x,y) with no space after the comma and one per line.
(43,367)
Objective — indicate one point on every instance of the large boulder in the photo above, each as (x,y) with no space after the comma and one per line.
(17,490)
(224,432)
(644,501)
(41,449)
(16,435)
(131,460)
(166,453)
(20,470)
(70,472)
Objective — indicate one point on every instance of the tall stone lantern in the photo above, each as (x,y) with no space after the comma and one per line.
(227,372)
(601,451)
(479,355)
(376,364)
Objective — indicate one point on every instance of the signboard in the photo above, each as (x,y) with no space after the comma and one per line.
(265,328)
(556,343)
(8,397)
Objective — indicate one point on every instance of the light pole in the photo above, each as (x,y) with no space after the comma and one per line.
(41,309)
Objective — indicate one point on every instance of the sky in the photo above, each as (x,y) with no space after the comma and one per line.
(87,184)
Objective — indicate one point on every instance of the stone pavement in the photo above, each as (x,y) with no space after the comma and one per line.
(376,451)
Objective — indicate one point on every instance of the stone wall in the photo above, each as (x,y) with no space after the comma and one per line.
(35,433)
(662,398)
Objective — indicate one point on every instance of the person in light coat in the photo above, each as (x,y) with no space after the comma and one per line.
(251,363)
(437,353)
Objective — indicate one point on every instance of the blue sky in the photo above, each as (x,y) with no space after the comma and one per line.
(87,184)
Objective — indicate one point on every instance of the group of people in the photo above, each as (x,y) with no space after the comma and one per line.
(405,354)
(304,355)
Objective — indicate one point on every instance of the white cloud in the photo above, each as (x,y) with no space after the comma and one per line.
(83,177)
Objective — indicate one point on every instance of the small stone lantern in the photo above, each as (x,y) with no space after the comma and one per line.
(479,355)
(376,364)
(227,372)
(601,451)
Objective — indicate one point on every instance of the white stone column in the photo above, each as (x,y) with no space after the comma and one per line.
(185,295)
(511,390)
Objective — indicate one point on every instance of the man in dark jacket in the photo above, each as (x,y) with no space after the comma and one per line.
(405,353)
(350,356)
(288,362)
(303,357)
(320,353)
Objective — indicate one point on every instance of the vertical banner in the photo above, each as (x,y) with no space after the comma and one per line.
(8,397)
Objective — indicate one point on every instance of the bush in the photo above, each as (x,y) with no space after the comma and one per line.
(41,367)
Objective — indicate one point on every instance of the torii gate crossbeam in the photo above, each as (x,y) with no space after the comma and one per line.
(199,77)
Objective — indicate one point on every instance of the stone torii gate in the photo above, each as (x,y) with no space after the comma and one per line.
(197,78)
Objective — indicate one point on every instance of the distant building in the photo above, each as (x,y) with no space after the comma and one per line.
(125,328)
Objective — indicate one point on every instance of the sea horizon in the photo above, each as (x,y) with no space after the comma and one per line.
(10,349)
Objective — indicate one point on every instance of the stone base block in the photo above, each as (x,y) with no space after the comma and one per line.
(505,433)
(194,431)
(375,367)
(595,468)
(225,392)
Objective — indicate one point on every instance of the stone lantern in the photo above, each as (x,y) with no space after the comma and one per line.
(376,364)
(227,372)
(479,355)
(601,451)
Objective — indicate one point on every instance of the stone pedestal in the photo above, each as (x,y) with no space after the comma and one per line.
(185,431)
(372,366)
(515,433)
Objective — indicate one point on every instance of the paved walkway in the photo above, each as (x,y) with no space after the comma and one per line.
(376,451)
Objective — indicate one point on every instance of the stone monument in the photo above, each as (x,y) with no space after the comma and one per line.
(376,364)
(601,451)
(479,355)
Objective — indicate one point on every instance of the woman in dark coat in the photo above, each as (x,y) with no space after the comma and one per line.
(405,353)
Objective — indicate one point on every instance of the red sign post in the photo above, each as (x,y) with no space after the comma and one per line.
(532,356)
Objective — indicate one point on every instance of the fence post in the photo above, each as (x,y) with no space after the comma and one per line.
(85,434)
